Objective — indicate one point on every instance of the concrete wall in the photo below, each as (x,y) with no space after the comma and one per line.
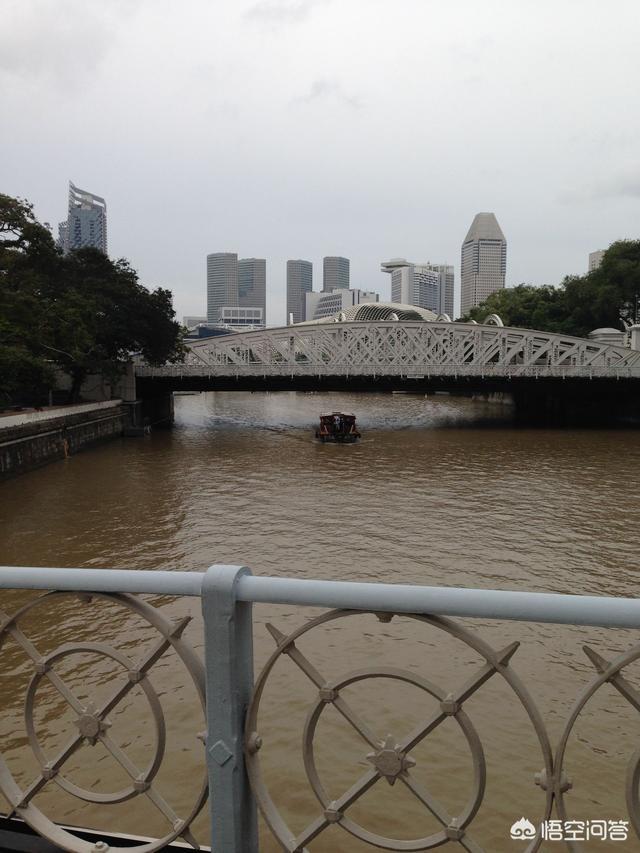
(31,439)
(96,387)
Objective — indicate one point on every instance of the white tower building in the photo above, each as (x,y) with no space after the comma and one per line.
(484,261)
(425,285)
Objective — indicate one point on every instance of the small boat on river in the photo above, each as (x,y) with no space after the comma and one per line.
(338,427)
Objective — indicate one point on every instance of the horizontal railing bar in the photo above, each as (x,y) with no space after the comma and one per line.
(101,580)
(556,608)
(545,607)
(445,601)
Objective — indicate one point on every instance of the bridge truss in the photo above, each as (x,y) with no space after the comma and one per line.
(411,349)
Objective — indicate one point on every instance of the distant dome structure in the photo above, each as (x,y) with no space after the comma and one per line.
(607,336)
(371,311)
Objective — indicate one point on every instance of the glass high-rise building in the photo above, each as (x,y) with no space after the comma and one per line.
(299,283)
(86,224)
(335,273)
(484,261)
(222,283)
(252,284)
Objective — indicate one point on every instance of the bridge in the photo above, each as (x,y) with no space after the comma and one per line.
(544,372)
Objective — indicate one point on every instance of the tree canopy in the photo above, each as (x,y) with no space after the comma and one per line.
(605,297)
(81,312)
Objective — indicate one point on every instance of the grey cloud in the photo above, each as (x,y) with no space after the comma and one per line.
(619,186)
(324,90)
(275,12)
(60,42)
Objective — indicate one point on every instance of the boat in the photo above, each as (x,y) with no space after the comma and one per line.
(338,427)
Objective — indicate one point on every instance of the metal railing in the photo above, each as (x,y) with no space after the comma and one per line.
(232,741)
(408,371)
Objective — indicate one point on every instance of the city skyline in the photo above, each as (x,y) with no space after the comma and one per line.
(270,312)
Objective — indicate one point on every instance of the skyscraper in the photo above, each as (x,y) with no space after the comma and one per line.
(595,259)
(484,261)
(299,283)
(252,284)
(425,285)
(86,224)
(447,283)
(335,273)
(222,283)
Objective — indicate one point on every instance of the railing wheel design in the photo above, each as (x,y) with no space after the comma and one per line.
(92,726)
(608,672)
(390,757)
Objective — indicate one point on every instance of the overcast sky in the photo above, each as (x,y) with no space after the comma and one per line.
(302,128)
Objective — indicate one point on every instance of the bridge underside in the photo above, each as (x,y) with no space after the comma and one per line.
(551,400)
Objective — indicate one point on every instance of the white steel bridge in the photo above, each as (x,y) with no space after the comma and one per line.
(403,350)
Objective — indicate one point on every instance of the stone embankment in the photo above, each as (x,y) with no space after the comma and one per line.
(31,439)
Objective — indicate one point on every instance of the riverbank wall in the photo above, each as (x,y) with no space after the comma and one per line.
(29,440)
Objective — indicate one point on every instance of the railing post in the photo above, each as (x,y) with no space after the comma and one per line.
(228,641)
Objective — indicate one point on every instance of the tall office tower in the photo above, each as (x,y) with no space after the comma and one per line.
(335,273)
(252,284)
(222,283)
(86,224)
(425,285)
(595,259)
(447,283)
(484,261)
(299,283)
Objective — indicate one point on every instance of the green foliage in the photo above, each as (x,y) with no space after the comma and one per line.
(83,312)
(605,297)
(525,307)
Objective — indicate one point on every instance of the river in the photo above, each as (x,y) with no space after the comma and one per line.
(439,491)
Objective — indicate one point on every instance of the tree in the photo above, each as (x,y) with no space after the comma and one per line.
(606,297)
(27,259)
(82,312)
(526,307)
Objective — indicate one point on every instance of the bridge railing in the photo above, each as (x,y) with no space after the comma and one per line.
(232,696)
(408,370)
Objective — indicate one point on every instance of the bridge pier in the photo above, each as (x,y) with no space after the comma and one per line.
(149,406)
(158,412)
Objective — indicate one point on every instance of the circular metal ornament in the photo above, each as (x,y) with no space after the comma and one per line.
(608,672)
(395,769)
(495,662)
(91,727)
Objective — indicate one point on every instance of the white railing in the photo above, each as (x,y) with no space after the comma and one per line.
(233,696)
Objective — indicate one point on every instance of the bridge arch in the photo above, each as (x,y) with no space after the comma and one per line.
(401,348)
(493,320)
